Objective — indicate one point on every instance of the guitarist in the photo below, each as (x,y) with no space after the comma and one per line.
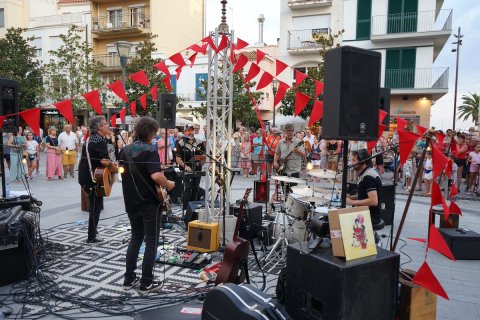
(141,176)
(289,151)
(96,156)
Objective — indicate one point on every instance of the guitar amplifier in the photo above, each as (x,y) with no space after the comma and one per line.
(251,219)
(203,236)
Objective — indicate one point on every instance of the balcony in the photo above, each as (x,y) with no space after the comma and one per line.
(307,4)
(436,25)
(433,81)
(110,62)
(305,41)
(116,24)
(59,19)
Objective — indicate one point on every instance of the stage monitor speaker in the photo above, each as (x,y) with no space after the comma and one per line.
(385,104)
(9,104)
(166,110)
(388,203)
(251,223)
(323,287)
(352,94)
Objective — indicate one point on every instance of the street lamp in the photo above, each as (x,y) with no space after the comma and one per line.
(123,50)
(457,50)
(274,88)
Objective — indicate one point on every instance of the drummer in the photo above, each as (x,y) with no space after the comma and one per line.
(288,148)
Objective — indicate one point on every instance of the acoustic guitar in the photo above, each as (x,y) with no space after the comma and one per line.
(235,255)
(105,179)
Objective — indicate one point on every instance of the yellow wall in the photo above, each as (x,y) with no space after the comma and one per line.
(100,45)
(411,108)
(15,13)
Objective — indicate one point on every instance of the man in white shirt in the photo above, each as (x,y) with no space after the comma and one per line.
(197,134)
(308,137)
(68,142)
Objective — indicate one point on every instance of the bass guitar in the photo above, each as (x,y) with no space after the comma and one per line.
(282,163)
(235,255)
(105,179)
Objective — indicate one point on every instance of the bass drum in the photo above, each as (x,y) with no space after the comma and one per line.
(295,230)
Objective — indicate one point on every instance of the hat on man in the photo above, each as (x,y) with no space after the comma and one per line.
(189,126)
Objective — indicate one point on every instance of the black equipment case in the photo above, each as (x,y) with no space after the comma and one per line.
(240,302)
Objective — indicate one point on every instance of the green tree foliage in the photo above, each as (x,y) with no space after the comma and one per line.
(18,63)
(243,108)
(72,71)
(470,108)
(326,43)
(143,60)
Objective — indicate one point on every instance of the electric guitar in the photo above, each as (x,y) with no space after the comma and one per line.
(235,255)
(282,163)
(163,197)
(105,179)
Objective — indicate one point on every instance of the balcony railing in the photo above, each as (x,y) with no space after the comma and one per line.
(110,61)
(120,21)
(306,39)
(425,78)
(59,19)
(423,21)
(305,4)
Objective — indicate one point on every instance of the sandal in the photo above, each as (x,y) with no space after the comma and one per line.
(60,178)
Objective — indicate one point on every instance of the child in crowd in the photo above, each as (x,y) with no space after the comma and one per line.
(408,171)
(428,174)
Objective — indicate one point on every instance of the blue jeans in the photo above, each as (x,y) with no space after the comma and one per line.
(144,224)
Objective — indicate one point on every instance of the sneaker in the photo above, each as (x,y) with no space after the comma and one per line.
(152,287)
(129,284)
(94,240)
(38,172)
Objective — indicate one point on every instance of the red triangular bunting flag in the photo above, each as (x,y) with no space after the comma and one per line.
(65,107)
(260,56)
(381,115)
(241,44)
(265,80)
(192,59)
(113,120)
(318,88)
(281,91)
(449,168)
(407,140)
(453,191)
(299,77)
(440,137)
(178,71)
(2,118)
(118,89)
(425,278)
(437,243)
(196,48)
(301,100)
(439,161)
(252,72)
(401,123)
(279,67)
(166,82)
(422,240)
(143,101)
(140,77)
(210,43)
(437,198)
(93,99)
(122,114)
(454,208)
(153,92)
(178,59)
(317,112)
(373,144)
(421,130)
(241,62)
(133,109)
(163,68)
(453,146)
(223,43)
(32,118)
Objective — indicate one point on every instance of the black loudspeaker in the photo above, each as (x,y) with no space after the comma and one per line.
(166,110)
(252,218)
(385,104)
(352,94)
(14,263)
(9,103)
(322,287)
(464,243)
(388,203)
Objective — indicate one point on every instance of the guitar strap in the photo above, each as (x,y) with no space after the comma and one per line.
(89,162)
(133,168)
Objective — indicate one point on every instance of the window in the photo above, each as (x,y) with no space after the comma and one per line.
(364,13)
(402,16)
(2,17)
(115,19)
(37,44)
(55,42)
(400,68)
(137,17)
(200,85)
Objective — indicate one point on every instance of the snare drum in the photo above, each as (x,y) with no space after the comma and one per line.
(295,230)
(297,208)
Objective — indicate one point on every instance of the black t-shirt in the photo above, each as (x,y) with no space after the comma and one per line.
(137,195)
(187,153)
(97,148)
(370,181)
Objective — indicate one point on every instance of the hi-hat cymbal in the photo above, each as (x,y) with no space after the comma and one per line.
(322,173)
(288,179)
(318,198)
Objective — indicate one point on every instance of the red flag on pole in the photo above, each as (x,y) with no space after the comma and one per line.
(65,107)
(301,100)
(118,89)
(93,99)
(32,118)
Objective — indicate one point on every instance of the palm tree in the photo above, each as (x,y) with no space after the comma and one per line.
(470,108)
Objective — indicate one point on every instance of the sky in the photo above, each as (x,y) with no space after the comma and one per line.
(242,18)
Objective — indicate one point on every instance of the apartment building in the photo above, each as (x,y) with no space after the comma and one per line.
(13,14)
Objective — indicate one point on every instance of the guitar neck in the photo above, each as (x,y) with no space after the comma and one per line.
(240,213)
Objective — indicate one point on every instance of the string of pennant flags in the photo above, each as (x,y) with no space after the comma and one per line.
(407,139)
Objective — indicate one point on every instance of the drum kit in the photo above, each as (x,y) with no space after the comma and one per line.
(304,209)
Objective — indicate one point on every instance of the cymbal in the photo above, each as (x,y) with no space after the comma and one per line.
(302,191)
(288,179)
(318,198)
(322,173)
